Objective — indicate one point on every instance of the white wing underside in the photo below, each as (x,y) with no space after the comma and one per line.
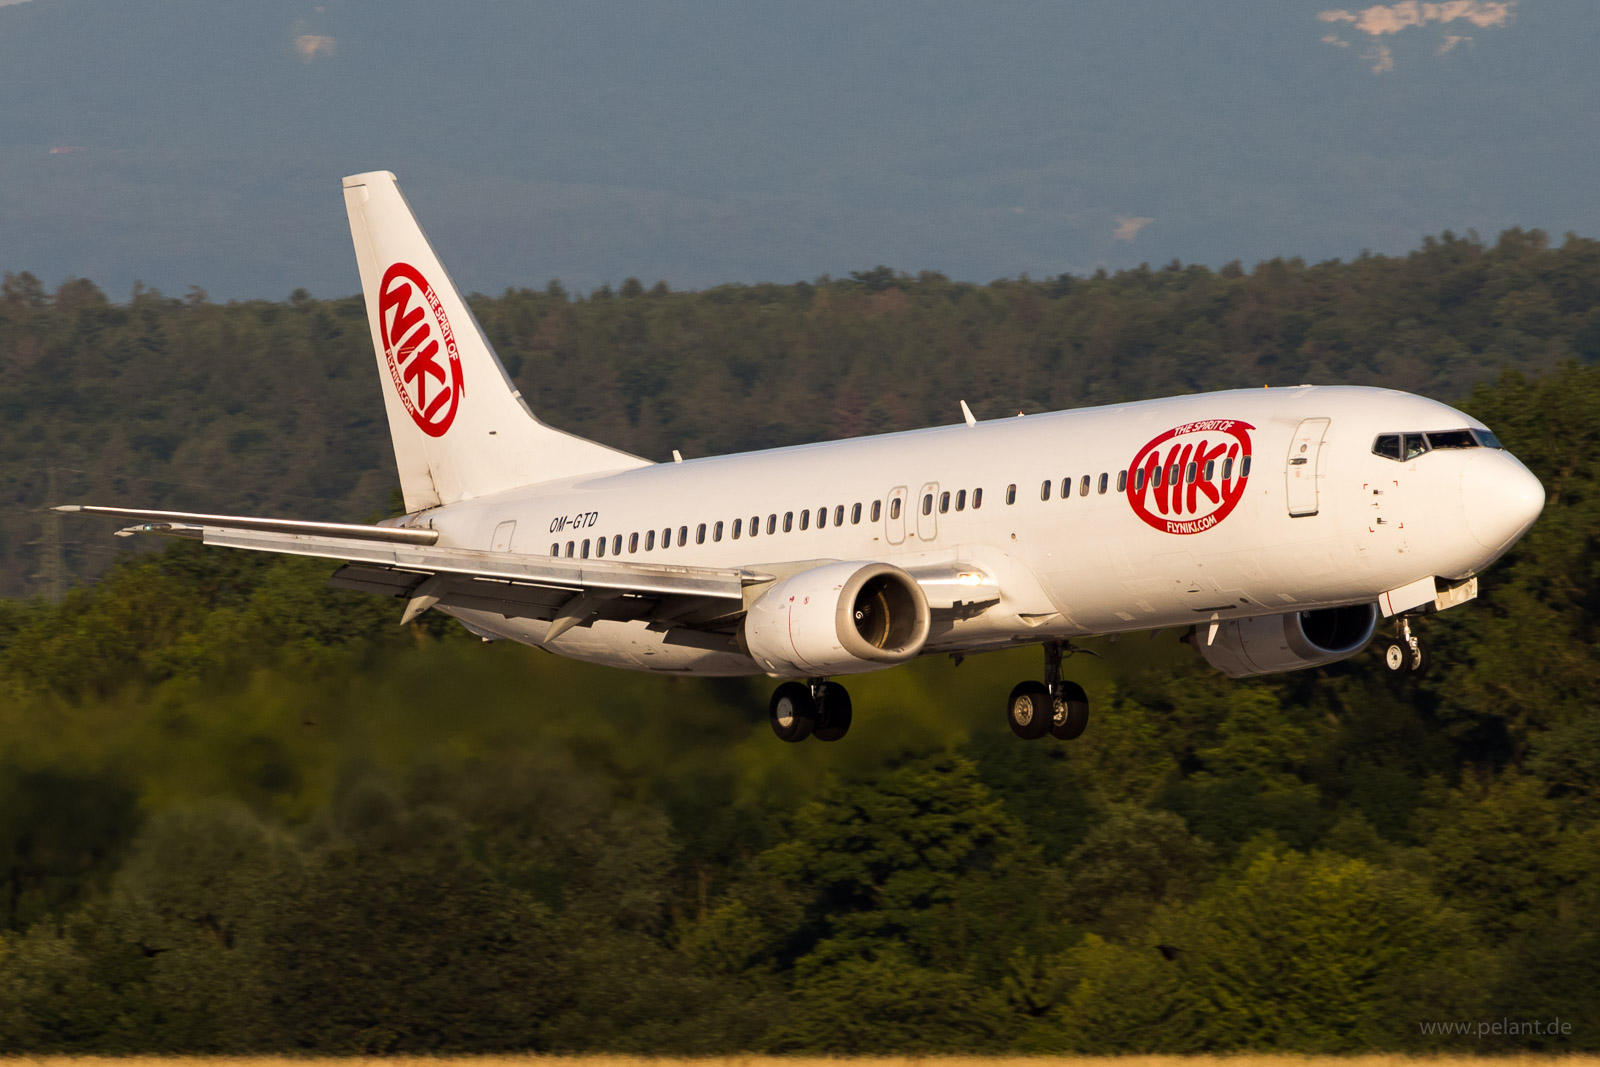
(698,606)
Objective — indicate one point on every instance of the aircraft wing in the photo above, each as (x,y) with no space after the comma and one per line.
(693,605)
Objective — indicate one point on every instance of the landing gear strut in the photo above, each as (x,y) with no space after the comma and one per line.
(1056,706)
(1405,653)
(815,708)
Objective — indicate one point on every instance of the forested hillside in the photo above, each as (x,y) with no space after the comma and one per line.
(241,811)
(273,408)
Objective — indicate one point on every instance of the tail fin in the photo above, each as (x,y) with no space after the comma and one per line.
(460,427)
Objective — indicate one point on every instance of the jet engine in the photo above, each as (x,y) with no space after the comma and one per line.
(1267,644)
(840,618)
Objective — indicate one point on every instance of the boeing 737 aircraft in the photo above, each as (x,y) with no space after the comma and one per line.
(1276,525)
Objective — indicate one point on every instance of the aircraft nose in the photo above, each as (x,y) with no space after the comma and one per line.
(1501,498)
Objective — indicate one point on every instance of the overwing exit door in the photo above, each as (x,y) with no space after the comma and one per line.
(894,516)
(1305,466)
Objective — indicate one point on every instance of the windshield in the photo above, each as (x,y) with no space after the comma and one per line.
(1406,446)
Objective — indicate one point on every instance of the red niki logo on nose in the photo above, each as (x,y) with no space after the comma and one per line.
(413,335)
(1163,491)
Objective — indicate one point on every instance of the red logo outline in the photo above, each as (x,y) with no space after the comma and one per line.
(1218,439)
(414,360)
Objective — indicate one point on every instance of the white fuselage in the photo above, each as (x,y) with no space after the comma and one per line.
(1087,563)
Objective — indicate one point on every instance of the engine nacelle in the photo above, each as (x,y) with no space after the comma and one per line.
(1268,644)
(840,618)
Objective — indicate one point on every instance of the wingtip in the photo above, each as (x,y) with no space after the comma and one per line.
(67,507)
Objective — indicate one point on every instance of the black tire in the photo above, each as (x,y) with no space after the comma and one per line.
(792,712)
(834,713)
(1071,712)
(1419,659)
(1396,657)
(1030,711)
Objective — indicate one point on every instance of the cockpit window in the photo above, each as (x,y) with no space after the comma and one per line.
(1453,439)
(1407,446)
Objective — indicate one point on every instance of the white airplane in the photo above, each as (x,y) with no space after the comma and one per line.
(1278,525)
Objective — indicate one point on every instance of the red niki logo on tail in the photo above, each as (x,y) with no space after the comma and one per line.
(412,336)
(1189,479)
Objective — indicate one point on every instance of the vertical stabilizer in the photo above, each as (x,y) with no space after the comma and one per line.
(459,425)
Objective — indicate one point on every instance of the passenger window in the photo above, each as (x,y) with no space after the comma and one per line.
(1044,490)
(1011,493)
(1227,468)
(1138,480)
(716,532)
(1193,470)
(649,540)
(855,515)
(788,521)
(633,544)
(1211,470)
(666,537)
(944,502)
(977,499)
(961,500)
(569,549)
(683,534)
(616,545)
(772,524)
(1387,445)
(1066,487)
(1244,467)
(1155,477)
(1416,445)
(1122,481)
(805,519)
(1452,439)
(585,548)
(927,503)
(700,534)
(1173,472)
(1105,482)
(822,519)
(894,508)
(755,525)
(600,548)
(877,510)
(1083,486)
(555,549)
(738,525)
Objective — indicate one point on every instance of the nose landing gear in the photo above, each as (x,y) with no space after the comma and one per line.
(815,708)
(1056,707)
(1405,653)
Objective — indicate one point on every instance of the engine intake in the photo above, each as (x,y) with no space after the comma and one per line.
(1268,644)
(840,618)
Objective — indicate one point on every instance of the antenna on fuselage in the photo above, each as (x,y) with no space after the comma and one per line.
(966,413)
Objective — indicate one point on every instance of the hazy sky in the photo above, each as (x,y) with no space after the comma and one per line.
(201,142)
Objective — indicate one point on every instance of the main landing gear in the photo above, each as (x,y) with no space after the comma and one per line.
(815,708)
(1055,706)
(1405,653)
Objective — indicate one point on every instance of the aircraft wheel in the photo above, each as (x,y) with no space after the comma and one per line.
(1030,711)
(793,713)
(1417,662)
(1396,657)
(1071,712)
(833,713)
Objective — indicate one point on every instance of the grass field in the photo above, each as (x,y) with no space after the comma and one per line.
(1245,1060)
